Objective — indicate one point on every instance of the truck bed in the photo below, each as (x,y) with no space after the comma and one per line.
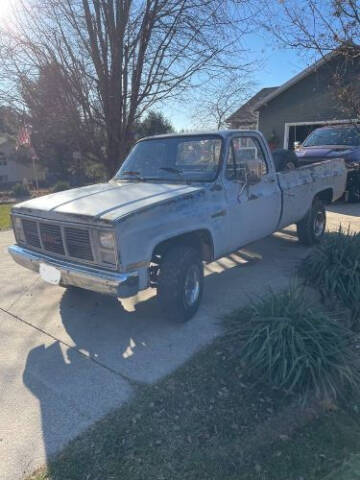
(299,187)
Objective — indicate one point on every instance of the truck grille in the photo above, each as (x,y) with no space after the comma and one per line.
(31,233)
(78,243)
(50,238)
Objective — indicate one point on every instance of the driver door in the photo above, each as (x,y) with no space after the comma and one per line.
(252,192)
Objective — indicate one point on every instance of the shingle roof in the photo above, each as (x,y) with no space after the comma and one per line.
(246,112)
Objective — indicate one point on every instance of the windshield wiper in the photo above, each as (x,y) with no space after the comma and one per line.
(171,170)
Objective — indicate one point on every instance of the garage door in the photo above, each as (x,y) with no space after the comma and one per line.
(298,133)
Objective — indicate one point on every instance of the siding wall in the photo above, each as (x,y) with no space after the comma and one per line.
(309,100)
(11,171)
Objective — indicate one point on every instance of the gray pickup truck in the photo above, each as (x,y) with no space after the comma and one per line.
(176,202)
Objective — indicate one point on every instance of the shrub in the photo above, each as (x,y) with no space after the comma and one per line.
(334,268)
(293,346)
(20,190)
(60,186)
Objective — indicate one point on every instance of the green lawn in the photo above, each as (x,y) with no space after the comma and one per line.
(5,221)
(321,450)
(205,422)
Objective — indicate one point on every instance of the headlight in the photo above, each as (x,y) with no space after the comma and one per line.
(18,229)
(17,223)
(106,240)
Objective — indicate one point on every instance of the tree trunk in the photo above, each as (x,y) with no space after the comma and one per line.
(117,151)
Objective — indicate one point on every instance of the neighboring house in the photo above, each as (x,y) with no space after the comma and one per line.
(246,118)
(11,170)
(288,113)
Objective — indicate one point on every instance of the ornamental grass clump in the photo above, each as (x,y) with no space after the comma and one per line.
(286,342)
(334,268)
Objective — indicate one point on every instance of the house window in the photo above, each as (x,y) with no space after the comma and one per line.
(3,160)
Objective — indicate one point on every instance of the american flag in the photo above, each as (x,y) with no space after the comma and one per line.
(24,137)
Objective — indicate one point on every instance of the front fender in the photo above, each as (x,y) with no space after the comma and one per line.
(139,234)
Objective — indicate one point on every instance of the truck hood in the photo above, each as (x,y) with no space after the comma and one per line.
(106,201)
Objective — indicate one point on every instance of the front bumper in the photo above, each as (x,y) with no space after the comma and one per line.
(83,276)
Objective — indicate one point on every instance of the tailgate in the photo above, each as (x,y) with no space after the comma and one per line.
(300,186)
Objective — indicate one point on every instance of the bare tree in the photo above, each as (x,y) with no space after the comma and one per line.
(318,28)
(118,57)
(221,98)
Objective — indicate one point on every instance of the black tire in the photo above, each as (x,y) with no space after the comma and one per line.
(354,194)
(177,265)
(284,160)
(311,228)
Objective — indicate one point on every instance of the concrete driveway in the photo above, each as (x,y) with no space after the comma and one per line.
(67,358)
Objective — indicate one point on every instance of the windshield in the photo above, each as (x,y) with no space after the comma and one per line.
(349,136)
(193,158)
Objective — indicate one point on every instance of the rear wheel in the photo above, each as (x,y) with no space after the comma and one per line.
(180,282)
(354,193)
(311,228)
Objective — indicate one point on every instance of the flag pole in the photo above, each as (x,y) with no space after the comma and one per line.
(24,139)
(33,157)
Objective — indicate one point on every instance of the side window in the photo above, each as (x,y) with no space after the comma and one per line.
(3,160)
(246,153)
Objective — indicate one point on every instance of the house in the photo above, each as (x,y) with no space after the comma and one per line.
(246,118)
(12,170)
(288,113)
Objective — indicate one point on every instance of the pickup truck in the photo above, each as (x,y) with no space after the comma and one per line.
(176,202)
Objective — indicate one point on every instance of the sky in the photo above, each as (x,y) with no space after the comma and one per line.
(277,65)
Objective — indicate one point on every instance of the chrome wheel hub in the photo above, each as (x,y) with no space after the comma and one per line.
(319,223)
(192,286)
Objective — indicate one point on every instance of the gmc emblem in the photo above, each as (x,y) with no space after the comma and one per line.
(50,238)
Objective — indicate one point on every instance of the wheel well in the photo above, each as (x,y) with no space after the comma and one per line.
(199,239)
(326,195)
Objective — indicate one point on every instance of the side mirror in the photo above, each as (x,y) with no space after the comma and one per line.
(297,145)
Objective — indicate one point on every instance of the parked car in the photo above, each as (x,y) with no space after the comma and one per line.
(336,141)
(176,202)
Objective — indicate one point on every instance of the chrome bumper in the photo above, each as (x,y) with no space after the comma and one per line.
(83,276)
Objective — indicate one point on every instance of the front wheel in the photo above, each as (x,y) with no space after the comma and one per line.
(311,228)
(180,282)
